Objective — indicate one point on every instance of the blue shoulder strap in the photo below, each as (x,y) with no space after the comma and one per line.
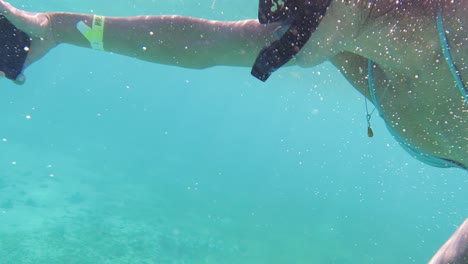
(448,57)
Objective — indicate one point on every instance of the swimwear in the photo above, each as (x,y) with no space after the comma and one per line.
(412,150)
(303,17)
(448,57)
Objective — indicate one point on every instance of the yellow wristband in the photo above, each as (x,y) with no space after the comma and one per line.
(95,33)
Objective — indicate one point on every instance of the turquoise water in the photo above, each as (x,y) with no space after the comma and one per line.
(124,161)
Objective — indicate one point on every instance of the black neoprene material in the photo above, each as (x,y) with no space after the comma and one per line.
(14,46)
(270,11)
(302,16)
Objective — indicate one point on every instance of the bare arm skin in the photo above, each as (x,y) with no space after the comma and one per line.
(455,250)
(414,87)
(415,90)
(172,40)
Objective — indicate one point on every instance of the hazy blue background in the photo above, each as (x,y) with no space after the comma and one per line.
(124,161)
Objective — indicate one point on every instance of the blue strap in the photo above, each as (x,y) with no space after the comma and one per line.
(413,151)
(370,80)
(372,90)
(448,57)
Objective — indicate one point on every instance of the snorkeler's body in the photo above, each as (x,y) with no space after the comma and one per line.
(415,90)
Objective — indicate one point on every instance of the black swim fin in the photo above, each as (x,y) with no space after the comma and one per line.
(14,47)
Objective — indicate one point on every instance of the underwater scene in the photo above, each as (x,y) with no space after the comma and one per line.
(109,159)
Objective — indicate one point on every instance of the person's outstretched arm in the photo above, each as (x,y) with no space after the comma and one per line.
(455,250)
(172,40)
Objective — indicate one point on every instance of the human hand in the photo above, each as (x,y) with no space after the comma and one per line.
(37,26)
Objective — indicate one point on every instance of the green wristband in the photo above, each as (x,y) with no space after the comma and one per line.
(95,33)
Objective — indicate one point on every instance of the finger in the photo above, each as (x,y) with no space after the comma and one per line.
(7,9)
(20,80)
(19,18)
(12,14)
